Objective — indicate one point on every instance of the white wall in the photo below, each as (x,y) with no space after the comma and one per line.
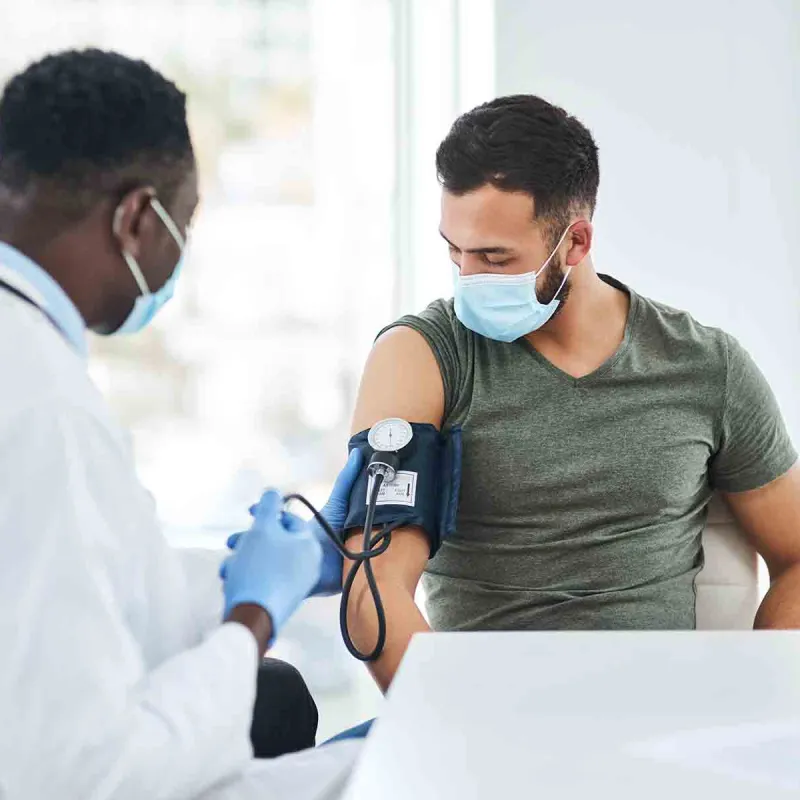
(694,105)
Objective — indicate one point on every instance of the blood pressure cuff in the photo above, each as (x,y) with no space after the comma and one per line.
(425,491)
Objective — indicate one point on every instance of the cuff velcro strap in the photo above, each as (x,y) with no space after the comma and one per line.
(425,491)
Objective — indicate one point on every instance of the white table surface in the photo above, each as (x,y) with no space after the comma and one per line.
(589,715)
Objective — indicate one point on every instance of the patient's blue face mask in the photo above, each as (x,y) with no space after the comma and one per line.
(148,303)
(505,307)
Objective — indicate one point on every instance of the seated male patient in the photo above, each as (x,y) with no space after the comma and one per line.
(596,422)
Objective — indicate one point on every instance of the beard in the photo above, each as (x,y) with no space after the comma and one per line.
(553,277)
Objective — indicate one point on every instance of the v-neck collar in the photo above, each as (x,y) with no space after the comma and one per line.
(633,311)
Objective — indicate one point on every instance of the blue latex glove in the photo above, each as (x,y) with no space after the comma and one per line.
(335,513)
(274,565)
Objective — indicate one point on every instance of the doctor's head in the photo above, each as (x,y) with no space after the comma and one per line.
(98,181)
(519,183)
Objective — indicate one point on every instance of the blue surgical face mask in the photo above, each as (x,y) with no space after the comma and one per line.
(148,303)
(505,307)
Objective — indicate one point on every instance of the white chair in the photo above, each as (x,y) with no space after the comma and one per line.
(727,586)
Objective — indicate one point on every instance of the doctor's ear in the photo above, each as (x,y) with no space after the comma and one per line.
(130,219)
(579,240)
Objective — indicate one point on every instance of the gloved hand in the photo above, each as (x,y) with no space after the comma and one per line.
(274,565)
(335,513)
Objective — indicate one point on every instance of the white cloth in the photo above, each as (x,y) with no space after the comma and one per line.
(320,774)
(116,680)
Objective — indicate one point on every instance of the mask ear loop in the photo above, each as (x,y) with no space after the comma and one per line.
(169,223)
(549,259)
(144,289)
(138,276)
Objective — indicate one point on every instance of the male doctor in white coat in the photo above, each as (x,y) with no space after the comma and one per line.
(128,668)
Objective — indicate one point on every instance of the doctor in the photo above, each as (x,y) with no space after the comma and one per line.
(123,676)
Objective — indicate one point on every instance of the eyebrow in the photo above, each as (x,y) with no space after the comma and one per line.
(479,250)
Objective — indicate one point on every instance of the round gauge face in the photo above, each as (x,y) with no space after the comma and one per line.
(390,435)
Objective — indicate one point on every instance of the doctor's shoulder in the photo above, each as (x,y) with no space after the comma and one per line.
(46,384)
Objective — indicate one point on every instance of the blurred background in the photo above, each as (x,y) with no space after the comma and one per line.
(315,124)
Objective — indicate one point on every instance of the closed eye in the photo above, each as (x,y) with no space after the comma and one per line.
(498,262)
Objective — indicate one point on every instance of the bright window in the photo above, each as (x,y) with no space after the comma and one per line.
(248,378)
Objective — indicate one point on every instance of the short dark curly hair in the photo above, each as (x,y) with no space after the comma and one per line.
(89,123)
(522,143)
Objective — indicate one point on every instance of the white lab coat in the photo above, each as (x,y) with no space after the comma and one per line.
(116,678)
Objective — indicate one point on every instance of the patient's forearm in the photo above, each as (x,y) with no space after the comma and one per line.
(397,573)
(781,606)
(403,620)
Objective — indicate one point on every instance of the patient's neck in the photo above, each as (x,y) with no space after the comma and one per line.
(588,329)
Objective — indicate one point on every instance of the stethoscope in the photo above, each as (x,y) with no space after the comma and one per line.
(14,285)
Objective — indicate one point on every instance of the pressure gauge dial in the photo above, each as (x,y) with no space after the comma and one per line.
(390,435)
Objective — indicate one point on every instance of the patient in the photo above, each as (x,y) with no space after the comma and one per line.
(596,422)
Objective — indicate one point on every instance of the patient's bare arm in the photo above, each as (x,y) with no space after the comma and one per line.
(401,379)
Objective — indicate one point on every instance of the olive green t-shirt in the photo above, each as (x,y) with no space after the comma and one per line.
(583,500)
